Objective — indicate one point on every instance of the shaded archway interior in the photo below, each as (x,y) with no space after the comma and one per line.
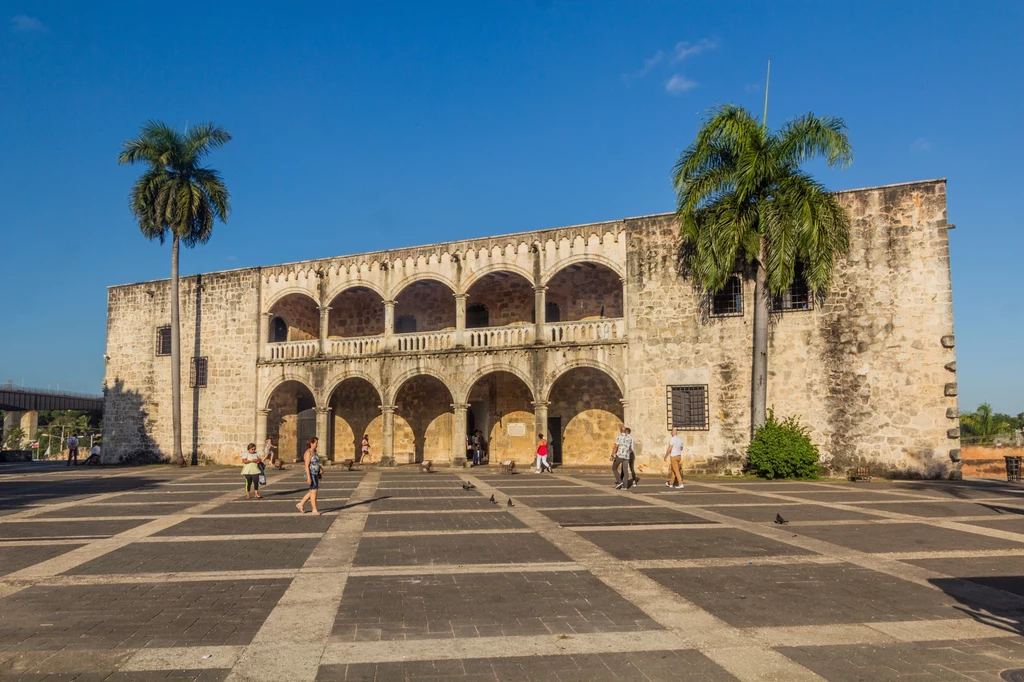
(584,291)
(295,317)
(501,408)
(355,412)
(500,299)
(424,421)
(291,418)
(425,306)
(584,415)
(355,312)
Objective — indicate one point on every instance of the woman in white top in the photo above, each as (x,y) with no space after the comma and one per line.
(251,471)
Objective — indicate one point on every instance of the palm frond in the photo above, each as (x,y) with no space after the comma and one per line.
(808,137)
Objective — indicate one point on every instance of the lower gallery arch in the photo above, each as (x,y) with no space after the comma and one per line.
(584,416)
(424,421)
(501,408)
(355,412)
(291,419)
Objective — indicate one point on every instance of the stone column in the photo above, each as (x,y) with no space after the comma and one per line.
(323,431)
(12,420)
(540,419)
(325,311)
(387,458)
(389,324)
(625,309)
(264,334)
(261,429)
(459,434)
(30,425)
(540,315)
(460,319)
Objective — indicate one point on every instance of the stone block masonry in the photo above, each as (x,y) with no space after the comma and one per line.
(417,347)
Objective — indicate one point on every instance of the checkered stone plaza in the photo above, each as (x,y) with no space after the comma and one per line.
(153,573)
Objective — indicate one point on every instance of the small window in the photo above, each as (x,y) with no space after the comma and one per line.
(728,301)
(197,378)
(163,340)
(476,316)
(405,324)
(688,408)
(278,330)
(797,295)
(552,313)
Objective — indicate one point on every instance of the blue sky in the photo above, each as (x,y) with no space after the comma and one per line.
(366,126)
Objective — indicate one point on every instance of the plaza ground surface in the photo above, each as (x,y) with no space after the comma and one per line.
(153,573)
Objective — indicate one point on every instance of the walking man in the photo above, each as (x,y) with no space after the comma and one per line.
(478,448)
(632,457)
(620,459)
(674,454)
(73,449)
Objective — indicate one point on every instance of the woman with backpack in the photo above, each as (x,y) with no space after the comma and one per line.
(312,466)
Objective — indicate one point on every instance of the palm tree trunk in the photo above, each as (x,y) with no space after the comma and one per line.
(759,373)
(177,459)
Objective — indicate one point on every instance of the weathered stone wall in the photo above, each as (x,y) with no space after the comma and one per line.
(586,291)
(356,312)
(355,411)
(423,421)
(431,303)
(506,399)
(589,404)
(509,300)
(301,315)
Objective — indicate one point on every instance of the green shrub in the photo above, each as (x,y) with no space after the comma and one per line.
(782,449)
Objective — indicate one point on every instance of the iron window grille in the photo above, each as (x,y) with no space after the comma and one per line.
(688,408)
(163,340)
(199,373)
(728,301)
(797,295)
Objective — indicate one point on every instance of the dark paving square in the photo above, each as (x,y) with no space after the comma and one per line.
(277,506)
(763,595)
(636,516)
(208,555)
(442,504)
(594,500)
(114,510)
(1010,525)
(902,537)
(53,530)
(695,543)
(454,491)
(925,661)
(515,491)
(162,495)
(16,558)
(449,521)
(134,676)
(489,605)
(483,548)
(610,667)
(699,499)
(848,497)
(944,508)
(791,512)
(204,613)
(296,523)
(1001,572)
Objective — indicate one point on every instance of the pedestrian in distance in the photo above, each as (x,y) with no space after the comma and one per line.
(364,449)
(620,460)
(251,461)
(478,448)
(73,449)
(632,457)
(542,454)
(269,456)
(94,456)
(311,462)
(674,455)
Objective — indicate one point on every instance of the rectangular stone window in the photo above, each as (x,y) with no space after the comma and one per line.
(197,377)
(688,408)
(797,295)
(728,301)
(163,340)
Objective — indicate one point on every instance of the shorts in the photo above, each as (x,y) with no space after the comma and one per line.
(314,482)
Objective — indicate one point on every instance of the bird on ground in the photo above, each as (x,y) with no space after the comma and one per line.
(468,486)
(779,520)
(492,500)
(510,502)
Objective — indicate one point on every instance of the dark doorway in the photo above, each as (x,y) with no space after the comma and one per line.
(405,324)
(279,331)
(552,313)
(470,430)
(555,439)
(476,316)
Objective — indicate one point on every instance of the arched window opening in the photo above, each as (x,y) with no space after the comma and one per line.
(476,316)
(552,313)
(278,330)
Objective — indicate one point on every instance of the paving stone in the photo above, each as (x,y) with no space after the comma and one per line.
(135,676)
(53,530)
(1000,572)
(902,537)
(930,661)
(376,523)
(207,613)
(484,548)
(327,503)
(516,491)
(270,525)
(647,665)
(941,509)
(700,499)
(1010,525)
(163,495)
(848,496)
(209,555)
(695,543)
(115,510)
(791,512)
(454,491)
(636,516)
(469,605)
(16,558)
(442,504)
(594,500)
(763,595)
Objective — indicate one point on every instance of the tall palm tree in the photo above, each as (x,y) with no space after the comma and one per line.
(176,196)
(745,203)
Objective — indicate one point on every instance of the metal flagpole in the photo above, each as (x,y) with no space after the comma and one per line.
(764,119)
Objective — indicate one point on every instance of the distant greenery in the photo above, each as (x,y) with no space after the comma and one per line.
(783,449)
(13,439)
(983,426)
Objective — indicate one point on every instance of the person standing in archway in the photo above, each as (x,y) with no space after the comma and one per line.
(364,450)
(542,454)
(478,448)
(311,461)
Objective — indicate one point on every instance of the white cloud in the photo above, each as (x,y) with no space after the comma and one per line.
(921,144)
(22,23)
(678,84)
(687,49)
(649,64)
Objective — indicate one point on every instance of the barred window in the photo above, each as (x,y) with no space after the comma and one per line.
(163,340)
(197,378)
(797,295)
(688,408)
(728,301)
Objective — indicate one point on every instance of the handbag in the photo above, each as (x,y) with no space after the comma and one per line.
(263,478)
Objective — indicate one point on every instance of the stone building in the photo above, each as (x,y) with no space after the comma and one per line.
(569,331)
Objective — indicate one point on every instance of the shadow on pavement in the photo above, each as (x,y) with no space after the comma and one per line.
(982,610)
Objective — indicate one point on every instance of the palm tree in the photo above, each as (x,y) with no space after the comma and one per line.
(744,203)
(176,196)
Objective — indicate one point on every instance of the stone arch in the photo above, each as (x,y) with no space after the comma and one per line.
(479,274)
(337,380)
(618,268)
(300,312)
(394,386)
(430,301)
(555,375)
(291,415)
(355,402)
(397,289)
(355,311)
(585,413)
(586,289)
(500,406)
(269,304)
(423,419)
(464,389)
(355,284)
(282,378)
(506,294)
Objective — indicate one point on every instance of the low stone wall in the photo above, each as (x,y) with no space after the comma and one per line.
(987,461)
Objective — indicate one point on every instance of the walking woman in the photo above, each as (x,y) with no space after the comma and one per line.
(364,448)
(312,465)
(542,454)
(251,471)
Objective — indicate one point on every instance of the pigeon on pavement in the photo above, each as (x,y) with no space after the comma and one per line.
(492,500)
(468,486)
(779,520)
(510,502)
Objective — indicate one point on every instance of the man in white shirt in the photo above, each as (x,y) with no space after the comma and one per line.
(73,449)
(620,459)
(674,454)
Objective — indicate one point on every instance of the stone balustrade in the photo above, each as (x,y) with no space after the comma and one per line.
(612,329)
(356,346)
(497,337)
(293,350)
(424,342)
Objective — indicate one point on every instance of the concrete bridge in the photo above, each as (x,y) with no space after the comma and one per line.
(21,406)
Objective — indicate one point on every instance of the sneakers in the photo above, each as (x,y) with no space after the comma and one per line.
(678,487)
(668,485)
(618,486)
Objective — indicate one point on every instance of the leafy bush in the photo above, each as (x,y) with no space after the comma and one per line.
(782,449)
